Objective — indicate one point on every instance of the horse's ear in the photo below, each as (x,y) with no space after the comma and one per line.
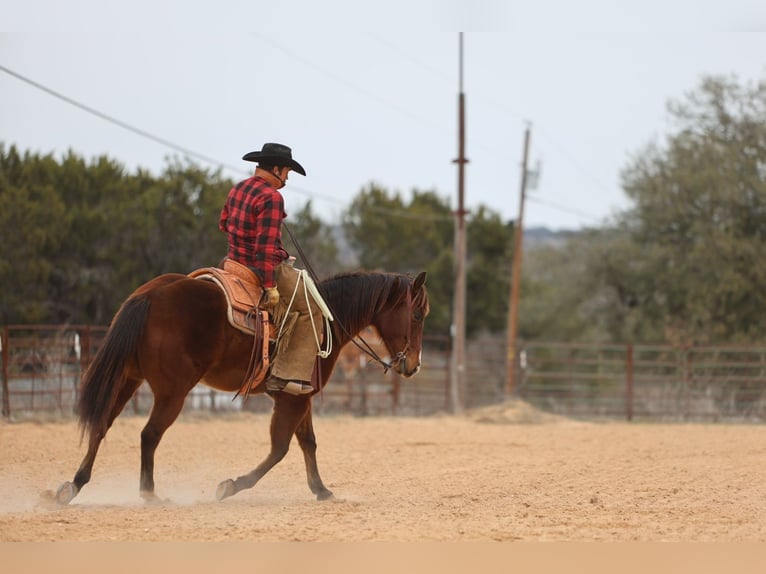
(419,281)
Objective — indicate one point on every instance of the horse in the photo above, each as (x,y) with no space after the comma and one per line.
(174,333)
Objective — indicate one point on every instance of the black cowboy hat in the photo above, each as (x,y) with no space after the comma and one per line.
(275,154)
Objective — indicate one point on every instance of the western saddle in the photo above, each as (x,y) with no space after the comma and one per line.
(244,293)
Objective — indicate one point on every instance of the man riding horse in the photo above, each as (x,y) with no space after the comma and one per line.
(154,338)
(252,220)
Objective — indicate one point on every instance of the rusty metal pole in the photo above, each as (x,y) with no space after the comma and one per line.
(4,343)
(457,382)
(629,382)
(513,306)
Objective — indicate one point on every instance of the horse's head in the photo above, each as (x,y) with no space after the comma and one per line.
(401,326)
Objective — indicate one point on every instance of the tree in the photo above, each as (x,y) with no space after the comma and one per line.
(85,285)
(488,271)
(587,290)
(79,236)
(32,222)
(700,218)
(391,234)
(315,239)
(183,208)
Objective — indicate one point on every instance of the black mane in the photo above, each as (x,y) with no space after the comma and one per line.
(356,297)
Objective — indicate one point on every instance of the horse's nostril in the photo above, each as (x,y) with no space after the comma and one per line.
(408,372)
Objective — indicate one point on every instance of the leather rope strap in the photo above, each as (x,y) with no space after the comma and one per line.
(262,330)
(367,348)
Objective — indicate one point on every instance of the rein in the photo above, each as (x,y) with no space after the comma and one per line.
(402,355)
(364,346)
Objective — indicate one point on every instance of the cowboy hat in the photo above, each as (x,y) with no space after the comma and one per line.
(275,154)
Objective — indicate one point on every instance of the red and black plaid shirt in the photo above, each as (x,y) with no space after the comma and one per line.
(252,220)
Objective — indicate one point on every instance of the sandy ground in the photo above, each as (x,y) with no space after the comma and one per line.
(505,473)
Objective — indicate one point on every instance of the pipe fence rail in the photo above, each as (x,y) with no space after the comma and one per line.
(647,382)
(42,366)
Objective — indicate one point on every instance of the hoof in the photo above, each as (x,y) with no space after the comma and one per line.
(150,498)
(225,489)
(325,495)
(66,493)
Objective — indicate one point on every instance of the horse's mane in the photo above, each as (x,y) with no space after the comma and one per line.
(359,295)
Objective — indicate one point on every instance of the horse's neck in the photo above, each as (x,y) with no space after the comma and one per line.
(349,325)
(353,318)
(345,332)
(350,321)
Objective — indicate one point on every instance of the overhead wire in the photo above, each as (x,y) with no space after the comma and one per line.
(394,48)
(117,122)
(341,79)
(143,133)
(213,161)
(504,107)
(571,211)
(185,150)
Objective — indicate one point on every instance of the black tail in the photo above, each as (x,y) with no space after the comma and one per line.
(106,376)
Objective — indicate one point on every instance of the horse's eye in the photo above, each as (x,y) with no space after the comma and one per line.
(417,315)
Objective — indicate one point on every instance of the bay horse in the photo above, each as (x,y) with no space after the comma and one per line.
(173,332)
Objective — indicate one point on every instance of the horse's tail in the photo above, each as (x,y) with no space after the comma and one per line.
(106,375)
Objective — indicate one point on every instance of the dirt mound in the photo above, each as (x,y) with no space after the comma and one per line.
(513,411)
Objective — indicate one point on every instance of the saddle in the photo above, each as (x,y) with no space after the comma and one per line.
(244,292)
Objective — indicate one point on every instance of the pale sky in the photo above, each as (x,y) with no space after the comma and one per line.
(370,94)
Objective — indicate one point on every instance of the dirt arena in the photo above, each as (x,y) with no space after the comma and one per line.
(504,473)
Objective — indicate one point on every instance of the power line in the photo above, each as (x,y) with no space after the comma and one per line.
(569,210)
(192,153)
(507,109)
(157,139)
(120,123)
(407,55)
(574,161)
(207,159)
(344,81)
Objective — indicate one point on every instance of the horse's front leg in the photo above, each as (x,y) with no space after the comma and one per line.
(289,410)
(307,440)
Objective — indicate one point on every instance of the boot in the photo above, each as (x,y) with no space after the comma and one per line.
(275,384)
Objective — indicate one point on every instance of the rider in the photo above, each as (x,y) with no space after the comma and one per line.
(252,219)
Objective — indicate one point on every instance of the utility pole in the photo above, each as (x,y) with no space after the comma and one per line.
(457,372)
(513,307)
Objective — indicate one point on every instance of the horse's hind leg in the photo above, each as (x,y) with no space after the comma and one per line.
(165,410)
(69,490)
(289,410)
(308,443)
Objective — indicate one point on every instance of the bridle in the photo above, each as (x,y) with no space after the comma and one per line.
(400,356)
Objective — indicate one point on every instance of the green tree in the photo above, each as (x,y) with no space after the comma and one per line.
(489,244)
(79,236)
(316,239)
(84,285)
(389,234)
(183,208)
(392,234)
(586,290)
(32,222)
(698,229)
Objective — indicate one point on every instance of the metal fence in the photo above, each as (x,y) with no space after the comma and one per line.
(648,382)
(42,365)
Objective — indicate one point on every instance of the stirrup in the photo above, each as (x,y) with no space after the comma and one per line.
(276,384)
(298,388)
